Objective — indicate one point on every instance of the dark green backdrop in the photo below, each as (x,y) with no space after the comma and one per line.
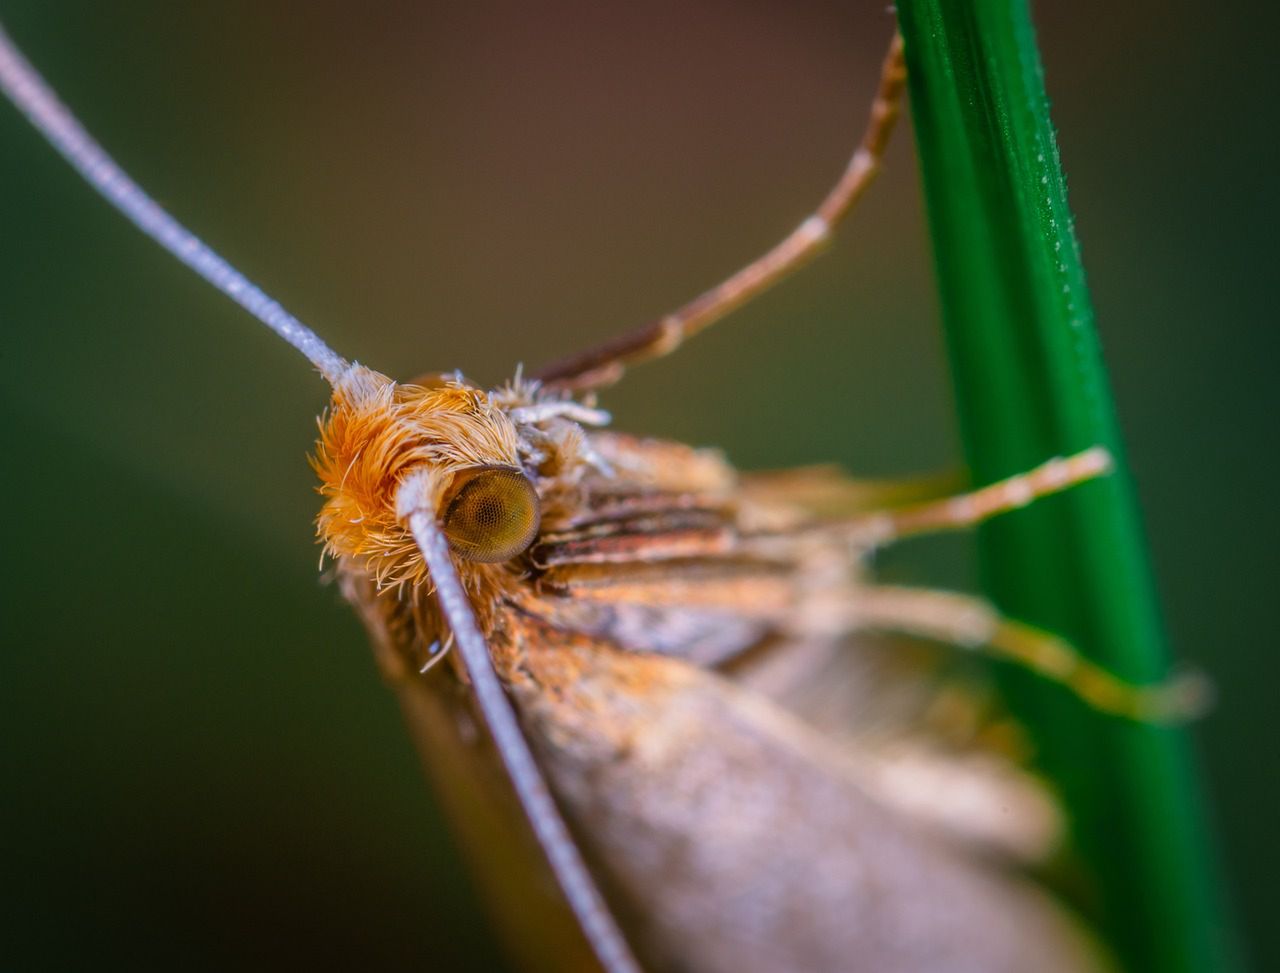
(199,765)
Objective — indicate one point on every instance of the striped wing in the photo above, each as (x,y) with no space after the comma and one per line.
(747,794)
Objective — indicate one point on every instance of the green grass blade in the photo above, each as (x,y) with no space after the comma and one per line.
(1030,384)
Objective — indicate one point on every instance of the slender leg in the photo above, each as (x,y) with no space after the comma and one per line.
(826,491)
(970,509)
(972,623)
(604,364)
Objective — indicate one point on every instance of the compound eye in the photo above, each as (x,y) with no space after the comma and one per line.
(491,514)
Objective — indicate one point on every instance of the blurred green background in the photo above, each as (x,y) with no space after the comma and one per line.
(200,767)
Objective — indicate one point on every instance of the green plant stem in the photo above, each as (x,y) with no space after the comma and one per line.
(1030,384)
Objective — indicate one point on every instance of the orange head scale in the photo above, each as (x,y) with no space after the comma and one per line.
(487,463)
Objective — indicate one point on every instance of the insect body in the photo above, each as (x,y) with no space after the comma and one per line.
(654,660)
(639,636)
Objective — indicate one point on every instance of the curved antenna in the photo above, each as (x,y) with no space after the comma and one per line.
(33,96)
(571,872)
(604,364)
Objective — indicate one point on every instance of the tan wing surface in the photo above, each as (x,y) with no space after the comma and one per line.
(737,838)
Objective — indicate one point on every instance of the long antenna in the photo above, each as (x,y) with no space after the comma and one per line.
(29,91)
(571,872)
(33,96)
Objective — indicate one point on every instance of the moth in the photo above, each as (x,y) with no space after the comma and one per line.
(640,676)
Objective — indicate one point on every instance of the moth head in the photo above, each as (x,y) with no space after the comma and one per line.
(442,444)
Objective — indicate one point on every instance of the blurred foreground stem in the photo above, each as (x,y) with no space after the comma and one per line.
(1030,384)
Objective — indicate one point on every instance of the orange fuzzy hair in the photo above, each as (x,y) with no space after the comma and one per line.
(374,435)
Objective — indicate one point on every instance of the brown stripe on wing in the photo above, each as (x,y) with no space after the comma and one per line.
(648,525)
(654,560)
(702,636)
(657,539)
(755,588)
(602,506)
(703,611)
(658,514)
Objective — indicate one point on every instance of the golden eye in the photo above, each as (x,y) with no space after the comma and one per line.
(491,514)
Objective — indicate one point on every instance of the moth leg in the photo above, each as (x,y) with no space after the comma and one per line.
(972,623)
(604,364)
(827,492)
(970,509)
